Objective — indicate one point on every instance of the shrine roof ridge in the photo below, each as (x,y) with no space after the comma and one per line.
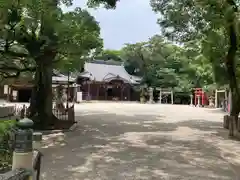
(104,72)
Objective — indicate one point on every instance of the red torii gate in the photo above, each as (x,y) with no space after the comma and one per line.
(203,97)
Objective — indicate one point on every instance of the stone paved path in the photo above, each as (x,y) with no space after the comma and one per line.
(117,141)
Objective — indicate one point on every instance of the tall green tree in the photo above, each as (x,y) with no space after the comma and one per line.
(205,20)
(160,62)
(35,27)
(79,35)
(135,58)
(109,54)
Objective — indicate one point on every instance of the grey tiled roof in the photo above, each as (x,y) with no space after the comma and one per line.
(106,72)
(62,78)
(109,62)
(59,77)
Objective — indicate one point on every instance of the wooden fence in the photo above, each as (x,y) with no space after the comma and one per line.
(20,111)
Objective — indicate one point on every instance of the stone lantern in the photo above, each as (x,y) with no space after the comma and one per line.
(211,103)
(23,150)
(191,100)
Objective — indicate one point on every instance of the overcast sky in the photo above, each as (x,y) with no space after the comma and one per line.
(132,21)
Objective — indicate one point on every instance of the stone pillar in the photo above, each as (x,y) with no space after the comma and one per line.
(74,88)
(151,95)
(37,140)
(23,151)
(198,100)
(191,100)
(231,126)
(211,104)
(226,121)
(216,99)
(160,96)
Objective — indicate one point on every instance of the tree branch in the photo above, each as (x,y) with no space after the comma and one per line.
(15,54)
(13,72)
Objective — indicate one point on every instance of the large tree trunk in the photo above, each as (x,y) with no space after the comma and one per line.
(231,68)
(41,101)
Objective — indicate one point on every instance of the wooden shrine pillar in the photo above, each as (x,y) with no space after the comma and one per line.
(98,91)
(9,93)
(121,92)
(106,89)
(129,93)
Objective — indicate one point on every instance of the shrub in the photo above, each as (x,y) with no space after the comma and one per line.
(6,127)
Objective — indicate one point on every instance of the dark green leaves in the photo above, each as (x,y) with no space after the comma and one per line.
(106,3)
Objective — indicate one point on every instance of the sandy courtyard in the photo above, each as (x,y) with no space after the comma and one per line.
(128,141)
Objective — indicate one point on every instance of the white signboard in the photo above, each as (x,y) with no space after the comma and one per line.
(79,96)
(14,93)
(5,89)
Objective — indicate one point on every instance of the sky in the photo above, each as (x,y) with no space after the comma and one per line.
(132,21)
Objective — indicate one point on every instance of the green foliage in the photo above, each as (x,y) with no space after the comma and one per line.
(190,19)
(5,149)
(106,3)
(135,58)
(182,67)
(79,34)
(5,125)
(44,36)
(202,26)
(161,63)
(109,54)
(36,27)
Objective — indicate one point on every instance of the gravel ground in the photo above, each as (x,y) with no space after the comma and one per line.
(127,141)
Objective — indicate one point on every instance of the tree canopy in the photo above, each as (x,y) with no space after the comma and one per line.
(198,46)
(214,27)
(164,64)
(79,36)
(35,35)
